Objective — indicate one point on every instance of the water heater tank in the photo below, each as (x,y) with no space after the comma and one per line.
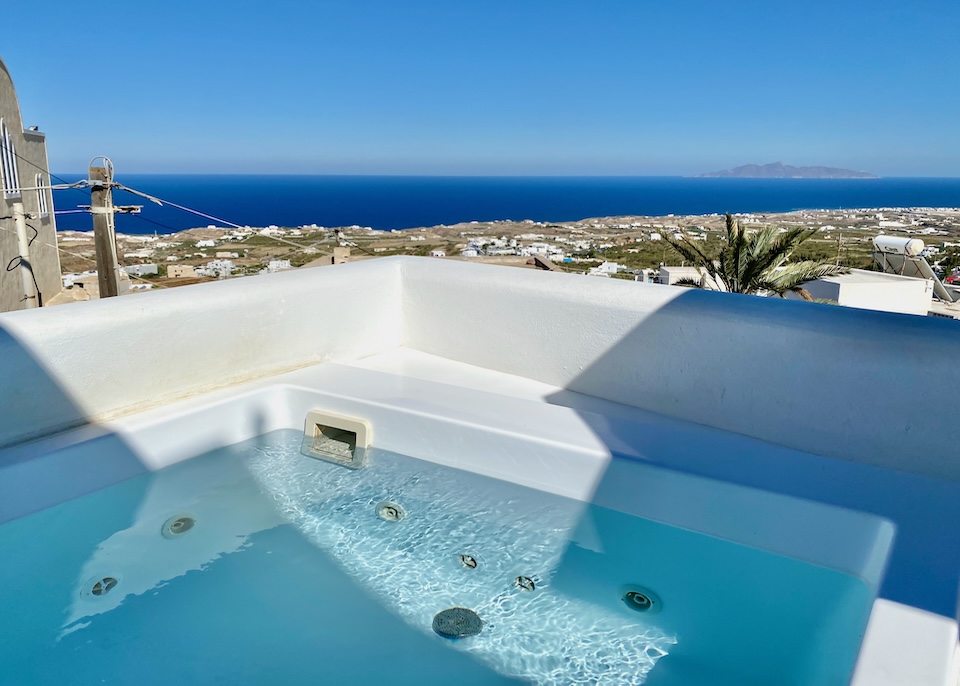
(897,245)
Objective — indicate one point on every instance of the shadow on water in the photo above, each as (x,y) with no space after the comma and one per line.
(41,564)
(78,505)
(829,404)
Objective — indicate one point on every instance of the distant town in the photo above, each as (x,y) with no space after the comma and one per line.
(628,247)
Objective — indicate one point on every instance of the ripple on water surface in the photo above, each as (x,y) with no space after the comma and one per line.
(415,565)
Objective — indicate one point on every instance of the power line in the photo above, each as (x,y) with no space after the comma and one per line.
(19,262)
(160,201)
(73,187)
(142,218)
(46,171)
(82,257)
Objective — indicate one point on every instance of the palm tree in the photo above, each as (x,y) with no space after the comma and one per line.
(755,263)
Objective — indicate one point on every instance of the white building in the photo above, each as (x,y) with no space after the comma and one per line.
(142,270)
(670,275)
(278,265)
(608,267)
(206,243)
(874,291)
(218,268)
(438,253)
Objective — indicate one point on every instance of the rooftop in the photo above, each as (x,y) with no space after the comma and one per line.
(863,276)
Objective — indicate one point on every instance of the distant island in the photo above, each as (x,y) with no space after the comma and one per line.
(779,170)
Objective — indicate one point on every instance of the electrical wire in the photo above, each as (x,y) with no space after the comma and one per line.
(18,261)
(35,233)
(49,173)
(84,258)
(74,187)
(161,202)
(154,222)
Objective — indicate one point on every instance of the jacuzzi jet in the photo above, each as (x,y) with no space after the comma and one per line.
(641,600)
(102,587)
(390,512)
(525,583)
(637,600)
(469,561)
(457,622)
(177,526)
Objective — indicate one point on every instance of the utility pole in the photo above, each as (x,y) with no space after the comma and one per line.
(104,234)
(23,246)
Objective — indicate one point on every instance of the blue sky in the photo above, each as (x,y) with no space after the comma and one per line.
(494,87)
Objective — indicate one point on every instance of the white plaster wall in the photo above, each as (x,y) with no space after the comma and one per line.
(63,365)
(841,382)
(670,275)
(819,290)
(910,296)
(888,294)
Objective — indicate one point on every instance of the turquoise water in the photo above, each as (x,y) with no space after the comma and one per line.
(288,576)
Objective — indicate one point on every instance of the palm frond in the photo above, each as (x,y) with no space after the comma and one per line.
(792,276)
(754,262)
(772,248)
(695,255)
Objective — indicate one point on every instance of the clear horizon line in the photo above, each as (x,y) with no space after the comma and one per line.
(528,176)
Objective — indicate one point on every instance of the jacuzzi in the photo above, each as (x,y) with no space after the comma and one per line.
(575,538)
(746,587)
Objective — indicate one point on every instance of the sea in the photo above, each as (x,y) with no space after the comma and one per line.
(403,202)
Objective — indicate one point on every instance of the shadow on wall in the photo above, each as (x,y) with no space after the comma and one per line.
(34,406)
(824,403)
(32,401)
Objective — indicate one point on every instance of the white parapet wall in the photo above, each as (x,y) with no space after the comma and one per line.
(67,365)
(844,383)
(852,384)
